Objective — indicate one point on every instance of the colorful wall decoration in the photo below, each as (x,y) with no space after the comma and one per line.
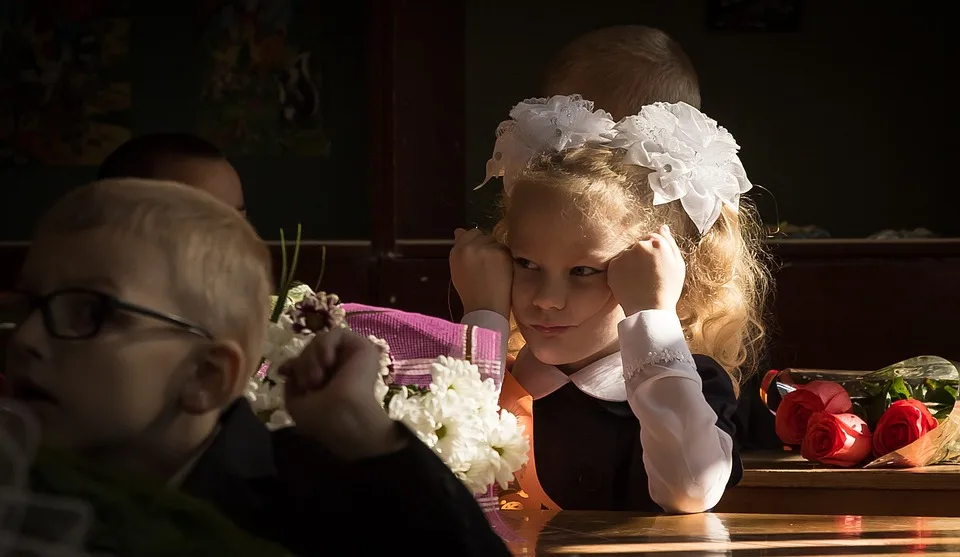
(65,87)
(262,84)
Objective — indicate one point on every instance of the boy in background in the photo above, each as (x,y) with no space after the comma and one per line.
(623,68)
(176,157)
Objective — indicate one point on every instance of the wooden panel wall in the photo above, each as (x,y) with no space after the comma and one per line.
(838,305)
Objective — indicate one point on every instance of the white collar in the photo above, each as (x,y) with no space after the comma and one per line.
(602,379)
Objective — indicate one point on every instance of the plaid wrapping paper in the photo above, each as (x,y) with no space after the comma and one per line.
(417,340)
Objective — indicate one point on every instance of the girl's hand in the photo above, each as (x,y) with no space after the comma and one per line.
(649,274)
(482,272)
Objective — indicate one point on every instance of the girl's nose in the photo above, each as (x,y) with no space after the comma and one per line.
(552,295)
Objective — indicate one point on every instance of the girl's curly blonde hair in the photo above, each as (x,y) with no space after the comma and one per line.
(722,304)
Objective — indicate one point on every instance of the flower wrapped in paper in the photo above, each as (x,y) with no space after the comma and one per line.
(440,379)
(904,415)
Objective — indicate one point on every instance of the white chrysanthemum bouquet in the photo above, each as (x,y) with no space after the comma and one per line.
(456,414)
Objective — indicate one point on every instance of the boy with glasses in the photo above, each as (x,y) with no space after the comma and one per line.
(139,317)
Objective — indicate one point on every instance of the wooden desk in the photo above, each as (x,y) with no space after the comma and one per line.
(785,483)
(738,535)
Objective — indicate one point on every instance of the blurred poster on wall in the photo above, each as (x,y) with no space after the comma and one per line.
(65,87)
(262,84)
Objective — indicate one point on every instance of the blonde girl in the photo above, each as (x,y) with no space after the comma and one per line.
(631,268)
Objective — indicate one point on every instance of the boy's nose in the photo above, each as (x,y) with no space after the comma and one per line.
(30,338)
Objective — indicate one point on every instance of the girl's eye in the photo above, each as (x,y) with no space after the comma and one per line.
(584,271)
(525,263)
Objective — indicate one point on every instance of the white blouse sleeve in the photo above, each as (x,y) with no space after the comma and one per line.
(493,321)
(688,459)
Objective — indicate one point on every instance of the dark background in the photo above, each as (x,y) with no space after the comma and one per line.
(839,106)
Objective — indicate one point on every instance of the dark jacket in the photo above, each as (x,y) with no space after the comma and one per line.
(287,488)
(589,455)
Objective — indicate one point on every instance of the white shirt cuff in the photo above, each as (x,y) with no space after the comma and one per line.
(486,319)
(651,343)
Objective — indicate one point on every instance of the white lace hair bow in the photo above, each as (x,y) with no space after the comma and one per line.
(692,158)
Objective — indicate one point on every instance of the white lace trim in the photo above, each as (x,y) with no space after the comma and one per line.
(658,358)
(692,158)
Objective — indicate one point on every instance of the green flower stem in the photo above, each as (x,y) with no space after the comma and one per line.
(323,267)
(286,273)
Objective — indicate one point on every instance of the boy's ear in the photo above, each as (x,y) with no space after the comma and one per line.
(215,383)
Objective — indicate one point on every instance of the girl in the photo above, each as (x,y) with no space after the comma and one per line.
(623,251)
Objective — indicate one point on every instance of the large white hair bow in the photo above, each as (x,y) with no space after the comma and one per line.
(692,158)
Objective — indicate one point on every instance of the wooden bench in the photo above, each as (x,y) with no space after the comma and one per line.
(784,483)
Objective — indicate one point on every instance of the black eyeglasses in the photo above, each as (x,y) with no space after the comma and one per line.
(76,314)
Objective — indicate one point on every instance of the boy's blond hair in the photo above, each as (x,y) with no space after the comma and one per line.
(624,68)
(219,267)
(724,293)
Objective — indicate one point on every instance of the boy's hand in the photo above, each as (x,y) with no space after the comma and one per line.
(329,394)
(649,274)
(482,272)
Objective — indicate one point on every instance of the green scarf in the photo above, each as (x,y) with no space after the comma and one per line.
(140,518)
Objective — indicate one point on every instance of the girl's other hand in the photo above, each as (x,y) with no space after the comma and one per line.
(649,274)
(482,272)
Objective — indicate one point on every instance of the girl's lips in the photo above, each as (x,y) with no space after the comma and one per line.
(549,330)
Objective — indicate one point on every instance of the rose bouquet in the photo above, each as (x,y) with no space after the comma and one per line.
(438,378)
(904,415)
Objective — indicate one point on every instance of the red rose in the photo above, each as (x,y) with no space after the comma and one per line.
(903,423)
(836,439)
(796,408)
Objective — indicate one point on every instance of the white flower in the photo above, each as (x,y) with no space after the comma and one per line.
(418,413)
(282,343)
(251,391)
(459,418)
(264,396)
(385,360)
(692,158)
(462,439)
(463,378)
(511,445)
(481,473)
(380,388)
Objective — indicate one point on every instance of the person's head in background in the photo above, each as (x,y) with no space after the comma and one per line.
(623,68)
(138,317)
(176,157)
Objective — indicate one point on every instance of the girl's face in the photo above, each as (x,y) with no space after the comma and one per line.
(561,301)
